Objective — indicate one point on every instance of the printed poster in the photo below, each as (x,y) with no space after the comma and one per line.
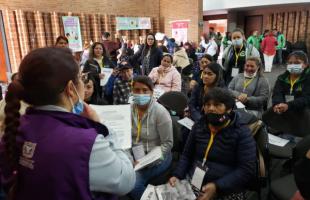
(73,32)
(179,30)
(133,23)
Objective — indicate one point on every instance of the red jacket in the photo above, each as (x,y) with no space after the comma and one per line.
(269,45)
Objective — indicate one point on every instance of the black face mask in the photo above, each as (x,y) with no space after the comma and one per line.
(217,119)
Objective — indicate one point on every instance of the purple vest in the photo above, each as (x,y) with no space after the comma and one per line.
(54,162)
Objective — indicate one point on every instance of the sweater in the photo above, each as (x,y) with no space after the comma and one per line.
(169,81)
(257,91)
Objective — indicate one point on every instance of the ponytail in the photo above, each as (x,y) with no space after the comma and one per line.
(11,123)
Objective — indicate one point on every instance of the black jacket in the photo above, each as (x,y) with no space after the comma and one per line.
(301,91)
(155,58)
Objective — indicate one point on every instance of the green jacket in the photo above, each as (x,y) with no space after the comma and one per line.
(281,41)
(254,40)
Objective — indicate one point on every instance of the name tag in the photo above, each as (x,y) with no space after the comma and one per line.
(234,71)
(138,151)
(198,176)
(289,98)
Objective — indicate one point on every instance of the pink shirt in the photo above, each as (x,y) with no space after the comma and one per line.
(169,81)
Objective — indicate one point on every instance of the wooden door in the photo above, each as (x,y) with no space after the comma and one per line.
(253,23)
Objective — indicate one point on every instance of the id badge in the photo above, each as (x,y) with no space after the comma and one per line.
(138,151)
(234,71)
(289,98)
(198,176)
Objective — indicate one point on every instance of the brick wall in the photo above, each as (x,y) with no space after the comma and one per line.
(115,7)
(171,10)
(293,21)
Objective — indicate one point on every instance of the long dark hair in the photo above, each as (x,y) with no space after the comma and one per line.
(146,47)
(217,70)
(91,52)
(94,99)
(43,76)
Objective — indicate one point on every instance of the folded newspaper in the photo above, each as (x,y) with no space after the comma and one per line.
(181,191)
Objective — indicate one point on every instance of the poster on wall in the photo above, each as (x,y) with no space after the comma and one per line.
(73,32)
(179,30)
(133,23)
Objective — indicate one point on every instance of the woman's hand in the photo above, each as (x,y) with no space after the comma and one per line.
(208,192)
(101,76)
(192,84)
(280,108)
(90,113)
(243,98)
(173,180)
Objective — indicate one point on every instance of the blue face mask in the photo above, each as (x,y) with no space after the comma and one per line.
(141,99)
(78,108)
(295,68)
(237,42)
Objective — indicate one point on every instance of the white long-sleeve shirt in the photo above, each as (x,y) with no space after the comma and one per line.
(110,169)
(211,47)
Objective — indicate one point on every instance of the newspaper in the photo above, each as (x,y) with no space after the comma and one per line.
(181,191)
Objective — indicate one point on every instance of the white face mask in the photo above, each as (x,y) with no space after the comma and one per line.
(295,68)
(246,75)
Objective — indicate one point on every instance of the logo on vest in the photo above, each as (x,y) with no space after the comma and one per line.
(26,158)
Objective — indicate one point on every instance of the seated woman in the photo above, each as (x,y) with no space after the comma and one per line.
(292,88)
(197,77)
(220,153)
(251,87)
(151,127)
(122,85)
(166,77)
(211,77)
(92,92)
(59,140)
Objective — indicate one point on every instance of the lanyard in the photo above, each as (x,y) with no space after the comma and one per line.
(246,83)
(292,83)
(211,141)
(139,127)
(237,55)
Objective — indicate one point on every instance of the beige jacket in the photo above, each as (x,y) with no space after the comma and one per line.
(180,59)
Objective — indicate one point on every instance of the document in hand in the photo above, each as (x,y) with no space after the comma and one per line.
(107,74)
(187,122)
(117,118)
(181,191)
(275,140)
(149,158)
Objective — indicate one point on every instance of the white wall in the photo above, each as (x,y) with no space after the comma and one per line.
(229,4)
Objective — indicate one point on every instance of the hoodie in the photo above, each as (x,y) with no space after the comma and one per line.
(169,81)
(180,59)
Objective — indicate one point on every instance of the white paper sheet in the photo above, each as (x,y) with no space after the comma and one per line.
(158,91)
(187,122)
(275,140)
(107,73)
(149,158)
(239,105)
(118,118)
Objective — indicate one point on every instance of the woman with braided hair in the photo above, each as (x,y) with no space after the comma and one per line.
(58,149)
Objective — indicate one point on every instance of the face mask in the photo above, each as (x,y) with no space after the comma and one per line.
(237,42)
(141,99)
(246,75)
(295,68)
(78,108)
(217,119)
